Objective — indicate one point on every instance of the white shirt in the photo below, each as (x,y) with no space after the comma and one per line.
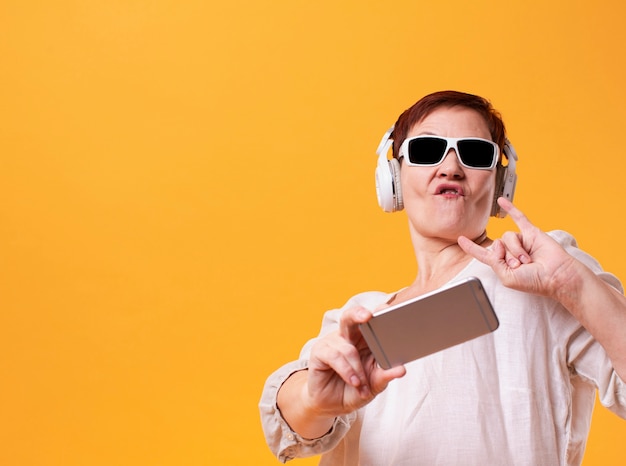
(522,395)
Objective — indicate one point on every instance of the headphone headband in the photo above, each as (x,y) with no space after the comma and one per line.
(385,142)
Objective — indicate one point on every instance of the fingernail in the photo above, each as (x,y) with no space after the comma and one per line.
(524,259)
(355,381)
(513,263)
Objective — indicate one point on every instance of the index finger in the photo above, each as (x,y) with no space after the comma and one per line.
(350,320)
(517,215)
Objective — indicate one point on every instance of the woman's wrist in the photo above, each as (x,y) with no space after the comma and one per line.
(569,282)
(293,402)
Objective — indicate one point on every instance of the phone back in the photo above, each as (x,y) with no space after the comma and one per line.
(430,323)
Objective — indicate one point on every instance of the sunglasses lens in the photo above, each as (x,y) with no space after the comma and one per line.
(426,151)
(477,154)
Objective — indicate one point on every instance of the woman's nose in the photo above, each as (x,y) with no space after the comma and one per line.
(451,167)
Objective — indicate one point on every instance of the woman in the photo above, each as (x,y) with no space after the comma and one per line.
(520,395)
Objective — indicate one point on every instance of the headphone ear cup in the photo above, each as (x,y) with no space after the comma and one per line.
(388,188)
(506,180)
(496,210)
(394,168)
(384,185)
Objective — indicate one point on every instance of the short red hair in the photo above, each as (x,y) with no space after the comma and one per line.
(426,105)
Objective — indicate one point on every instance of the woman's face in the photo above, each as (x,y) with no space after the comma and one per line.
(448,200)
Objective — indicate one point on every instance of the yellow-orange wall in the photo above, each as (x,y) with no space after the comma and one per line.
(185,187)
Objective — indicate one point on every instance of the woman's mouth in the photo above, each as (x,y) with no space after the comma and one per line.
(449,190)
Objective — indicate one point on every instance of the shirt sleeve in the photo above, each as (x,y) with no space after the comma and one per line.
(585,355)
(282,440)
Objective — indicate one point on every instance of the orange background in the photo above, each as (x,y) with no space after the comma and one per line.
(187,186)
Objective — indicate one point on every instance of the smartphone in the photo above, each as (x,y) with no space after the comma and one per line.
(429,323)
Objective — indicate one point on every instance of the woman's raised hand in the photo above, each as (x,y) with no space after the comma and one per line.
(528,260)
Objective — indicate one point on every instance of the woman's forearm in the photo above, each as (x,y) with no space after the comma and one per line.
(599,308)
(295,411)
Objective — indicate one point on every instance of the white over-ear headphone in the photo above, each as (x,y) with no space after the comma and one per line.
(389,190)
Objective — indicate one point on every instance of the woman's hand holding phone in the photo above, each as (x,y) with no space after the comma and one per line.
(343,373)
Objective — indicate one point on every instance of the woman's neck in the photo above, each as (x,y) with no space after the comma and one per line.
(438,262)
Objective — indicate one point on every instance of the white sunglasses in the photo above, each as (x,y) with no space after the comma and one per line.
(430,151)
